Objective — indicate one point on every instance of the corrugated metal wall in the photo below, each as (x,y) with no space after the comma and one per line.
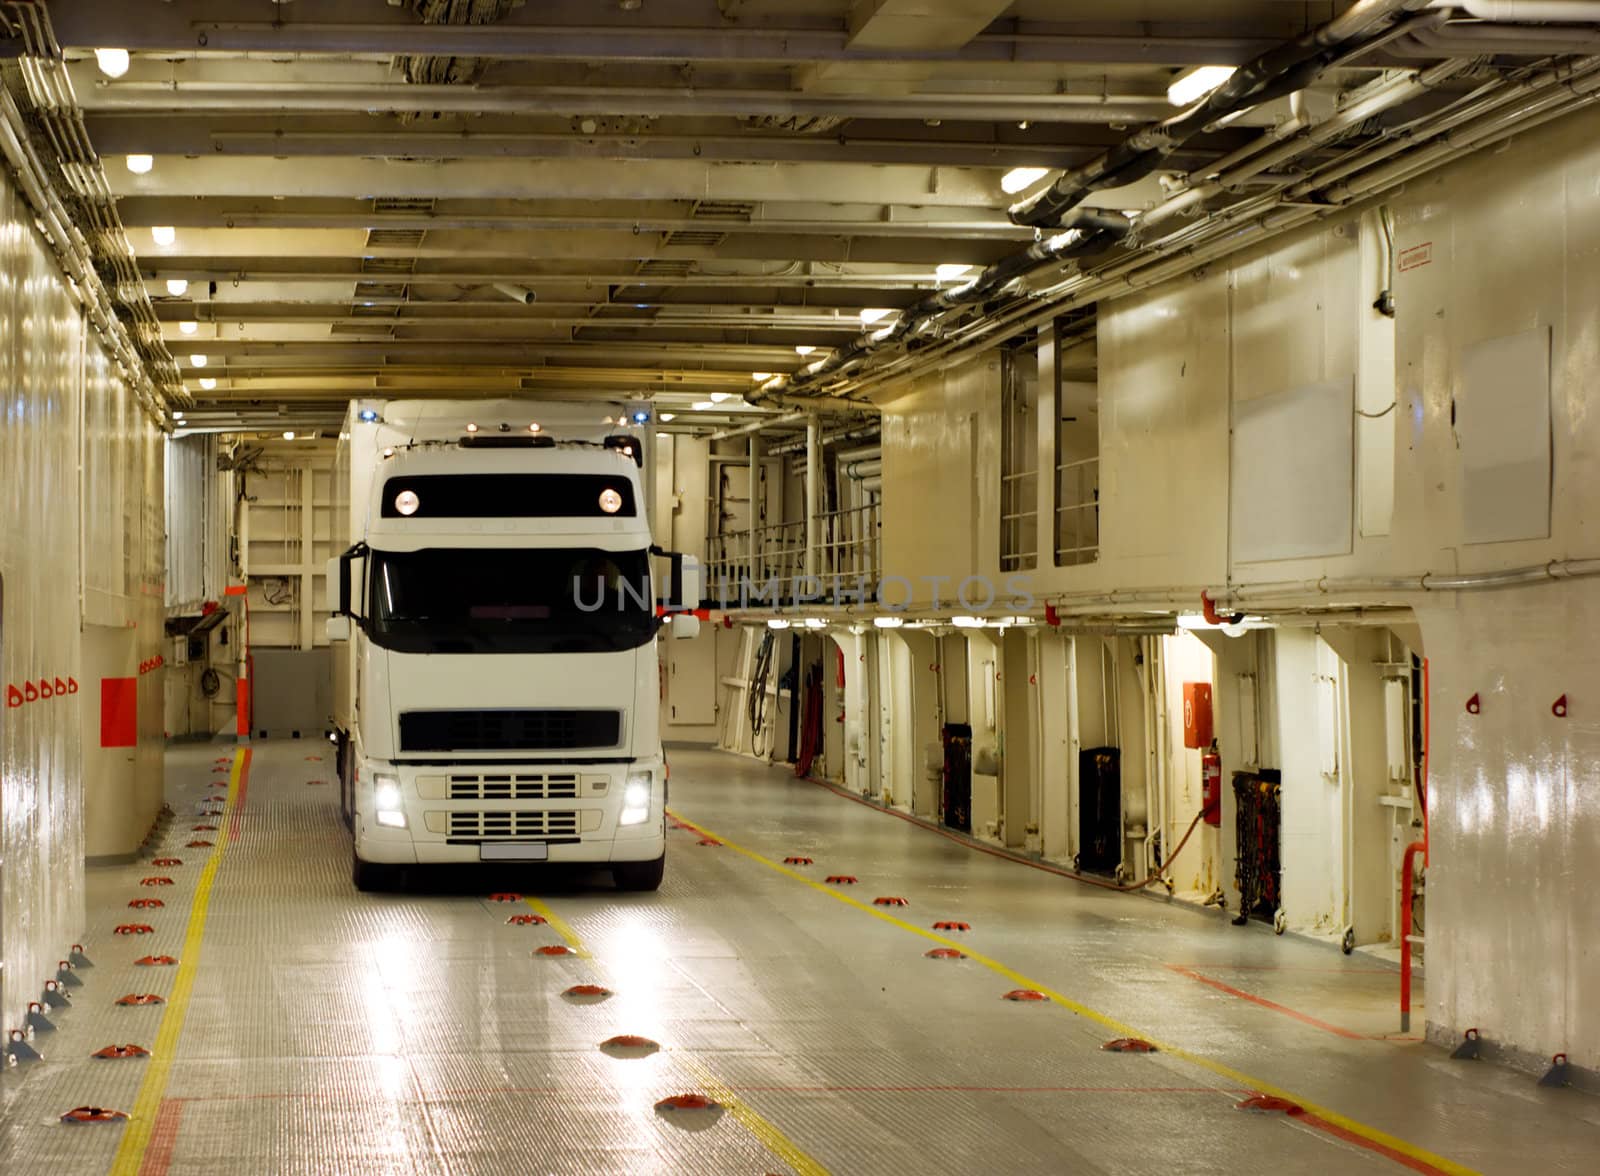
(54,381)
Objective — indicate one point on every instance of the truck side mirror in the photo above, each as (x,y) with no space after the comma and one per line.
(691,583)
(338,592)
(338,628)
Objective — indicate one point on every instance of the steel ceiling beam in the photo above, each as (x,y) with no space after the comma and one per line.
(668,33)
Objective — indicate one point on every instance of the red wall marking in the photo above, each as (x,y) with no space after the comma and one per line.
(119,712)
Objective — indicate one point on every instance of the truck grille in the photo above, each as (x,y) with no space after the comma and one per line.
(509,730)
(542,786)
(514,824)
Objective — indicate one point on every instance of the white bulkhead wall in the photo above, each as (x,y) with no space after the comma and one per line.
(80,545)
(1497,245)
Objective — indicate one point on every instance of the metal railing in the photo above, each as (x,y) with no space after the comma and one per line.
(772,569)
(1077,512)
(1019,523)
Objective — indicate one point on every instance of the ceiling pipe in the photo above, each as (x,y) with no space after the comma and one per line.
(1485,40)
(1091,231)
(1282,70)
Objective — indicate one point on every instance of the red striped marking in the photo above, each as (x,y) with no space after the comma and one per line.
(1371,1145)
(1275,1007)
(163,1138)
(238,801)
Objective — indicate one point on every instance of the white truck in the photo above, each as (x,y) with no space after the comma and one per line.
(494,629)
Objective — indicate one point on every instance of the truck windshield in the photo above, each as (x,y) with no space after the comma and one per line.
(504,600)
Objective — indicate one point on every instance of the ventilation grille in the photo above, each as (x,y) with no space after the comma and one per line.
(512,825)
(663,268)
(552,786)
(403,205)
(395,238)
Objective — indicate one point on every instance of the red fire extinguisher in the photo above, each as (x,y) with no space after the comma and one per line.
(1211,786)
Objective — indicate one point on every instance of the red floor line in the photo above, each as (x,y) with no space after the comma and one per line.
(1390,972)
(238,801)
(1267,1004)
(1372,1145)
(163,1138)
(975,1089)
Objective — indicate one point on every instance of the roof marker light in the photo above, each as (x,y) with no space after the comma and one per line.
(534,427)
(388,451)
(610,501)
(406,502)
(472,427)
(368,414)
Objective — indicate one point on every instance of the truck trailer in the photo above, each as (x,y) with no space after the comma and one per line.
(495,623)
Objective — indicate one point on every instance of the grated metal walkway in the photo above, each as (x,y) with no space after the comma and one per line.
(312,1029)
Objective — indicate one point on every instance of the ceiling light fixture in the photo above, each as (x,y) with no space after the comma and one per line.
(719,397)
(701,405)
(177,287)
(950,270)
(112,62)
(803,349)
(188,327)
(1194,85)
(666,416)
(288,434)
(1019,178)
(164,235)
(198,360)
(140,165)
(874,313)
(208,382)
(761,375)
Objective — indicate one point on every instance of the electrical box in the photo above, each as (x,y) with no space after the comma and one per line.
(1197,714)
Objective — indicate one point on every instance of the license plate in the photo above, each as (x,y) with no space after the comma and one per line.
(514,851)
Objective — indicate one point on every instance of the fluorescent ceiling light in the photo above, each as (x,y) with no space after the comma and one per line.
(816,623)
(701,405)
(666,416)
(1197,83)
(164,235)
(888,622)
(873,313)
(803,349)
(188,327)
(951,269)
(1019,178)
(177,287)
(719,397)
(761,375)
(208,382)
(777,623)
(288,434)
(967,622)
(198,360)
(112,62)
(140,165)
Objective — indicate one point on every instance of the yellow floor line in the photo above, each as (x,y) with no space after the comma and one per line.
(1242,1079)
(142,1119)
(765,1132)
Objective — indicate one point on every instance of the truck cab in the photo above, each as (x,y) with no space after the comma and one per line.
(501,686)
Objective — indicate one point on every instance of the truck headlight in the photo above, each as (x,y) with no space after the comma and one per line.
(635,801)
(386,800)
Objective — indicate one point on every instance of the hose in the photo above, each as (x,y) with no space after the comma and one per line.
(756,701)
(810,722)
